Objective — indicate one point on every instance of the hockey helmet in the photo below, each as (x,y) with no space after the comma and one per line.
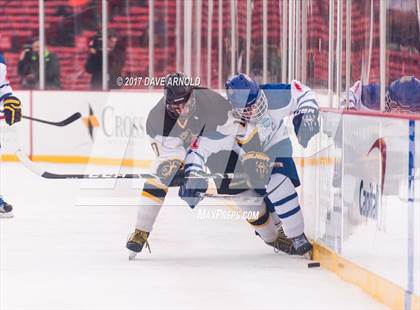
(371,96)
(403,95)
(246,97)
(177,92)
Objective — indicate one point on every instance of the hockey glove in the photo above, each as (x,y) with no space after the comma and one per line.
(305,122)
(192,191)
(12,110)
(171,172)
(257,167)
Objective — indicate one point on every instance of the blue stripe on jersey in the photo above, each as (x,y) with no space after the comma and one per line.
(275,86)
(278,95)
(284,200)
(5,96)
(4,85)
(290,213)
(300,97)
(188,166)
(2,60)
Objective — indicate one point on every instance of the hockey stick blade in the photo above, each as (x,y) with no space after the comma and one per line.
(31,166)
(65,122)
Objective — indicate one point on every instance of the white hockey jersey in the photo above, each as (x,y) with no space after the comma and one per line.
(5,88)
(283,100)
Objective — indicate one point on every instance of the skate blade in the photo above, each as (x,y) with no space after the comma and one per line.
(131,255)
(6,215)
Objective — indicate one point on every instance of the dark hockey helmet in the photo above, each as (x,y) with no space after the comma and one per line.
(246,98)
(177,92)
(403,95)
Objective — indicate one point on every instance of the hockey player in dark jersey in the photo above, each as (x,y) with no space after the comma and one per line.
(182,115)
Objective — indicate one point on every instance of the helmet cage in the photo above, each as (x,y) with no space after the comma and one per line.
(254,111)
(394,106)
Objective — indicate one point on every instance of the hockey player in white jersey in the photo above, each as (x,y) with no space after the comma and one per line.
(11,109)
(182,115)
(402,96)
(265,148)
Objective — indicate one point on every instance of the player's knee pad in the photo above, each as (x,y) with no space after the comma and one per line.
(264,225)
(258,215)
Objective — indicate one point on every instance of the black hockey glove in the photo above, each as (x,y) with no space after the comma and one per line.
(192,191)
(257,167)
(305,122)
(12,110)
(171,172)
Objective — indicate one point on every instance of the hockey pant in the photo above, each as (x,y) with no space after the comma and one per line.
(154,192)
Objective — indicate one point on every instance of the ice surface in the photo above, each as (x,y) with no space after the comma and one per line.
(57,253)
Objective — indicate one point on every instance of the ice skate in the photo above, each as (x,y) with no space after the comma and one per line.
(6,210)
(136,242)
(282,243)
(301,245)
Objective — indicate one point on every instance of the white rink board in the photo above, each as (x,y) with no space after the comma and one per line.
(115,113)
(355,217)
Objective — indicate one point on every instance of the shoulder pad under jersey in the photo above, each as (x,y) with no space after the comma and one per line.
(278,95)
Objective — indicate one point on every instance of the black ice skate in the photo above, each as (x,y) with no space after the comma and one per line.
(282,243)
(5,209)
(136,242)
(301,245)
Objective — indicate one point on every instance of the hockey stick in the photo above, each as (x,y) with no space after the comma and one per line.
(50,175)
(65,122)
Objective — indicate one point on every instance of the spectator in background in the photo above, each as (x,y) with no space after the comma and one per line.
(116,60)
(28,68)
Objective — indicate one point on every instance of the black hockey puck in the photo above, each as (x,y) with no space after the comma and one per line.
(313,265)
